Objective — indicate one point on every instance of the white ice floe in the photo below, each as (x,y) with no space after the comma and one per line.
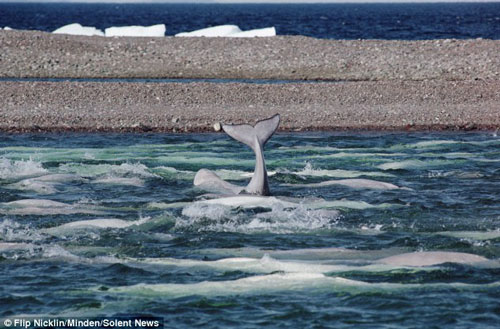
(77,29)
(214,31)
(136,31)
(229,31)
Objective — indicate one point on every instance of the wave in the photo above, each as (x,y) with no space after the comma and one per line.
(121,170)
(11,231)
(202,216)
(17,169)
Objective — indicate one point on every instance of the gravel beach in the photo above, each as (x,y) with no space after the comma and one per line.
(367,84)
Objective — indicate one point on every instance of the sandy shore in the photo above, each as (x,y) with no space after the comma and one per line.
(387,105)
(389,85)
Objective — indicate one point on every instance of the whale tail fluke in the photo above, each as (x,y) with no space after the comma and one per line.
(255,137)
(263,130)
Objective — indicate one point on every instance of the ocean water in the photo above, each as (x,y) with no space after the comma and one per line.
(332,21)
(111,225)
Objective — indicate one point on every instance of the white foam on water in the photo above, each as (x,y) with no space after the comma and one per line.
(279,220)
(157,30)
(299,219)
(454,173)
(11,231)
(226,174)
(121,170)
(171,172)
(56,251)
(78,29)
(202,210)
(338,173)
(17,169)
(282,216)
(137,169)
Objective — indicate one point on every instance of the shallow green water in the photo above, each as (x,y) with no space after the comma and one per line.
(111,225)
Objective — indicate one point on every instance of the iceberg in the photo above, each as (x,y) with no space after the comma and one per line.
(136,31)
(77,29)
(215,31)
(265,32)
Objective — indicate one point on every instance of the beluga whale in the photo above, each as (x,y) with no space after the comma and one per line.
(256,138)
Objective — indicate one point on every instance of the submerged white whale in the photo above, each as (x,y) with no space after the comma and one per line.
(255,137)
(99,223)
(359,183)
(430,258)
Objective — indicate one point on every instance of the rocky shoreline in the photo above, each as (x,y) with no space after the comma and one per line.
(382,85)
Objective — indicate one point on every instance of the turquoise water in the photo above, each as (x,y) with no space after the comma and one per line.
(111,225)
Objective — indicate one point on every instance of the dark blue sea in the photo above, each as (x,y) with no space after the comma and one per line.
(332,21)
